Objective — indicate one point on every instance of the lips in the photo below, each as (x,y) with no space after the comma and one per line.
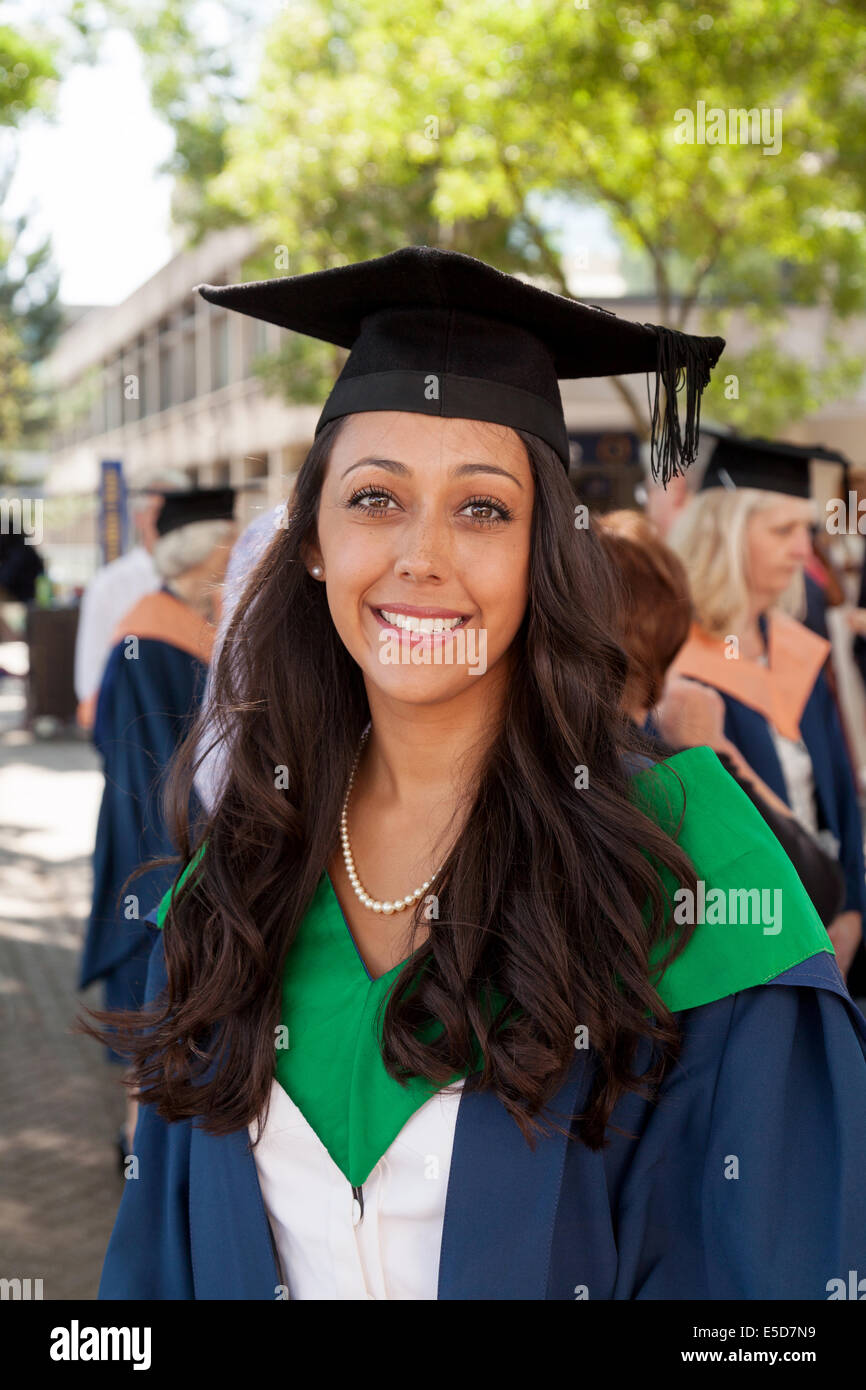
(419,623)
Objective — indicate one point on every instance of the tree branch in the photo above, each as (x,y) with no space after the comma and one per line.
(553,266)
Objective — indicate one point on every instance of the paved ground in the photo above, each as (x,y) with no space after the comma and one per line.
(60,1105)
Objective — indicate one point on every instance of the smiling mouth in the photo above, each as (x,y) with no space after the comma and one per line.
(418,627)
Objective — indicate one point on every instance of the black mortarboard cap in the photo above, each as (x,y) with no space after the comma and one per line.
(194,504)
(769,465)
(440,333)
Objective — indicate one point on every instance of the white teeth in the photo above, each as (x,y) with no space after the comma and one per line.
(425,625)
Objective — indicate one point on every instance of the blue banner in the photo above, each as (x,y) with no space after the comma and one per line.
(113,511)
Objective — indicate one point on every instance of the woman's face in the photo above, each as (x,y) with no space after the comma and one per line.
(777,545)
(423,536)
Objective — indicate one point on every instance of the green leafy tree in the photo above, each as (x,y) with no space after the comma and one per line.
(29,316)
(28,75)
(197,85)
(460,124)
(14,386)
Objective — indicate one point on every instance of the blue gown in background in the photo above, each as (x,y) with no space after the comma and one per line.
(144,708)
(859,643)
(835,793)
(816,607)
(748,728)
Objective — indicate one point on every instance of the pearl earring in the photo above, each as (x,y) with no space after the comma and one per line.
(317,571)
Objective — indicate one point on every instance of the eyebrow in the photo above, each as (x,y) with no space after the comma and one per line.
(464,470)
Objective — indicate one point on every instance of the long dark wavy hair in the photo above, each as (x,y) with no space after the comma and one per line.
(550,901)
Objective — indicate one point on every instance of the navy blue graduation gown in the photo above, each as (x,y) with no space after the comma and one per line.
(859,643)
(816,606)
(838,809)
(770,1083)
(143,710)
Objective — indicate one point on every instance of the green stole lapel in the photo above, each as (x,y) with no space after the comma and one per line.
(755,918)
(332,1067)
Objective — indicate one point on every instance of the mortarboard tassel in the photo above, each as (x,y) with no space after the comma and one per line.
(683,360)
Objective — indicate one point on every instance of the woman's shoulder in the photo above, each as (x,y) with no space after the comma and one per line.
(753,919)
(694,798)
(689,781)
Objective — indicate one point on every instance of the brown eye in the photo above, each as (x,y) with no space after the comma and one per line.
(488,504)
(370,500)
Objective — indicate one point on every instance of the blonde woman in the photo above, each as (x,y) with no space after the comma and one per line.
(744,540)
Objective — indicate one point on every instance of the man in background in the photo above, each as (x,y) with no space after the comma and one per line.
(114,589)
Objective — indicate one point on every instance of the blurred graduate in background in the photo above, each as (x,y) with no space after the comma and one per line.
(151,688)
(744,540)
(114,589)
(655,618)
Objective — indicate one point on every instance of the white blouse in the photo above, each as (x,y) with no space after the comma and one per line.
(329,1247)
(799,777)
(797,773)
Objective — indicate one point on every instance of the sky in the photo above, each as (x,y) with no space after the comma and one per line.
(89,179)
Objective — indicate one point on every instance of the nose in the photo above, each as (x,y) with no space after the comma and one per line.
(421,570)
(423,551)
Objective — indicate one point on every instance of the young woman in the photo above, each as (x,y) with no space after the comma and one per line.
(421,1023)
(744,540)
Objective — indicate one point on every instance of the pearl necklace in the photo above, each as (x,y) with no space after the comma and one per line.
(360,892)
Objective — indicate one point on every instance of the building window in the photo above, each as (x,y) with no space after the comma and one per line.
(219,352)
(188,361)
(96,423)
(130,387)
(113,396)
(143,385)
(255,342)
(150,380)
(166,364)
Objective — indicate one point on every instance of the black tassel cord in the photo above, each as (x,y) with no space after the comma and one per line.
(683,361)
